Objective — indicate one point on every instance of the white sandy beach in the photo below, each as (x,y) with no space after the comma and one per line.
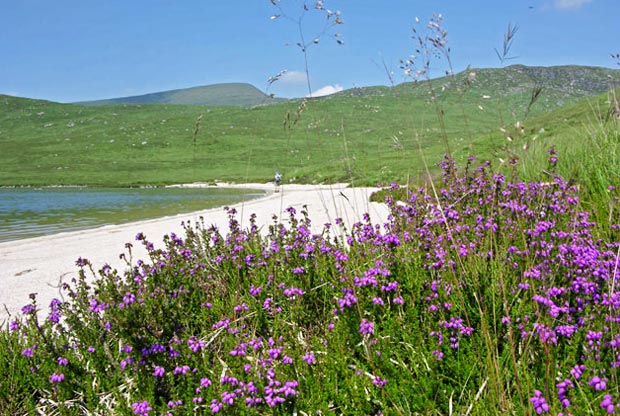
(39,265)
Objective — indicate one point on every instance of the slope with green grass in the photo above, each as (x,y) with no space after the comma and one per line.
(365,136)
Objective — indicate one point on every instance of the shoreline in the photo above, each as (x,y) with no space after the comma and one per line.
(41,264)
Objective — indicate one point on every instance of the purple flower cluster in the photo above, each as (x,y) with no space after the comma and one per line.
(477,268)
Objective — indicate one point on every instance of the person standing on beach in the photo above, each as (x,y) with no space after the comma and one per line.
(278,180)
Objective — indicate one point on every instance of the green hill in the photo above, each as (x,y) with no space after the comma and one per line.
(364,135)
(227,94)
(561,84)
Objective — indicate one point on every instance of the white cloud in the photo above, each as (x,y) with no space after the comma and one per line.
(326,90)
(571,4)
(294,77)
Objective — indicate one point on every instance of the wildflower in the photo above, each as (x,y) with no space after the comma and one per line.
(378,381)
(28,352)
(181,370)
(608,404)
(539,402)
(54,315)
(309,358)
(287,360)
(367,327)
(141,408)
(254,291)
(172,403)
(129,298)
(216,406)
(62,361)
(57,378)
(195,344)
(577,371)
(398,300)
(14,325)
(205,382)
(158,371)
(598,383)
(30,308)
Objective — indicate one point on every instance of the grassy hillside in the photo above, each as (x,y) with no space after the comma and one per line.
(235,94)
(363,135)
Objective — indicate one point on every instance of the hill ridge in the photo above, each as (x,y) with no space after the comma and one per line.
(221,94)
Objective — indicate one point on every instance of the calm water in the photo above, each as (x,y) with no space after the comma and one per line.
(30,212)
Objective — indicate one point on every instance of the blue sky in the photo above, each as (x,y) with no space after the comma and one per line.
(72,50)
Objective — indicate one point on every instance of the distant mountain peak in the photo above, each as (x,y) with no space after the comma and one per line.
(224,94)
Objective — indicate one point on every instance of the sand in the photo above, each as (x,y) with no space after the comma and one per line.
(40,265)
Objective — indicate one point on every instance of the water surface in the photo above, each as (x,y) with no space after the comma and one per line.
(30,212)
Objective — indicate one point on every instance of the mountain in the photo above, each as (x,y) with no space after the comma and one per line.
(560,85)
(226,94)
(370,135)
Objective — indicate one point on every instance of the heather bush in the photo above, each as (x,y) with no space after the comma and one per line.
(481,294)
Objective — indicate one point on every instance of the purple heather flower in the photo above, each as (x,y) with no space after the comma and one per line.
(129,298)
(309,358)
(28,352)
(367,327)
(195,344)
(173,404)
(141,408)
(378,381)
(205,382)
(598,383)
(159,371)
(91,349)
(181,370)
(539,402)
(577,371)
(216,406)
(254,291)
(30,308)
(62,361)
(57,378)
(377,301)
(14,325)
(608,404)
(291,292)
(287,360)
(242,307)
